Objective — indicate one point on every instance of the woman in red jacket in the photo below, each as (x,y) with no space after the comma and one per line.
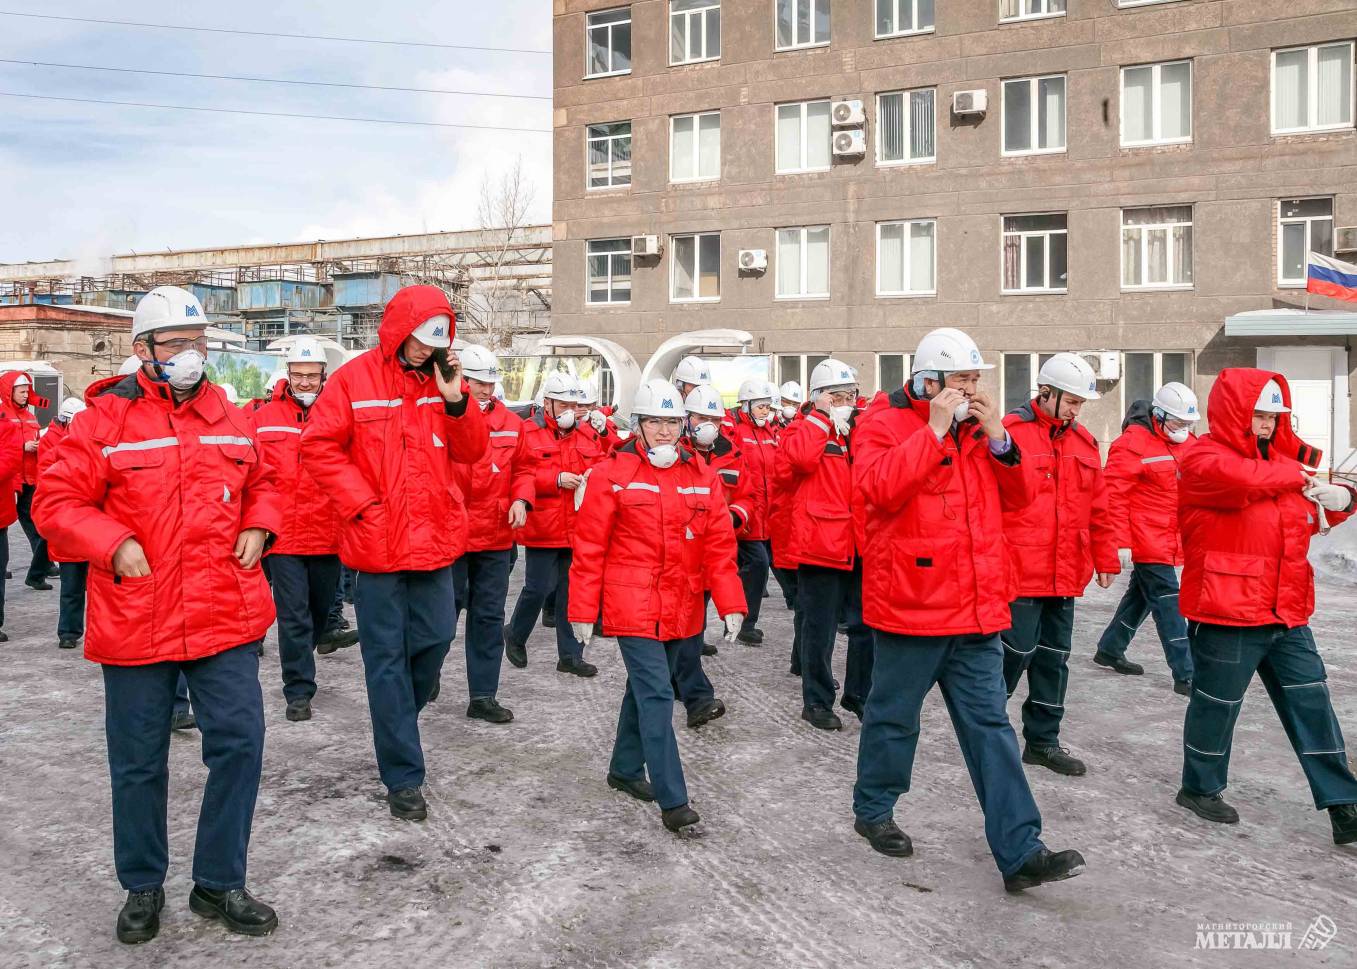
(16,388)
(755,432)
(1248,506)
(654,534)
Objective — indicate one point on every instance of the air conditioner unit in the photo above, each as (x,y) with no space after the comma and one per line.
(645,245)
(847,112)
(970,102)
(753,260)
(1345,239)
(849,142)
(1106,364)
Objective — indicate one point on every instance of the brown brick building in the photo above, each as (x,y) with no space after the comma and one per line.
(1142,171)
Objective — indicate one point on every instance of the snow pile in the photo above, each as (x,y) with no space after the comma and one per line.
(1335,554)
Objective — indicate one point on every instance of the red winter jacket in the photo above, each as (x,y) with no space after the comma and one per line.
(502,475)
(815,463)
(759,446)
(1142,488)
(11,460)
(737,487)
(551,523)
(184,481)
(382,443)
(935,562)
(25,420)
(1058,540)
(649,543)
(781,489)
(51,439)
(1246,525)
(310,522)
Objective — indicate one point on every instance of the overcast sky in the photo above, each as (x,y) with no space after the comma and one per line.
(82,181)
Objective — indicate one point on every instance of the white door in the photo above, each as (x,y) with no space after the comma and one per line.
(1310,372)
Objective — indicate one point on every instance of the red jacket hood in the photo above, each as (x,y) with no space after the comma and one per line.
(407,310)
(7,382)
(1230,409)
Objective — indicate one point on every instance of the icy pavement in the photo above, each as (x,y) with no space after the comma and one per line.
(529,859)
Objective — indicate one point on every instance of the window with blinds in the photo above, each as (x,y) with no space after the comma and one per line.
(905,127)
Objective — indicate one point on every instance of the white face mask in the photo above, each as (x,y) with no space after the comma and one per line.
(842,413)
(305,399)
(565,420)
(962,411)
(705,434)
(662,456)
(485,404)
(788,413)
(1178,436)
(184,369)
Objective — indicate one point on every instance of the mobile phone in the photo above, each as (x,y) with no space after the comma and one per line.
(441,361)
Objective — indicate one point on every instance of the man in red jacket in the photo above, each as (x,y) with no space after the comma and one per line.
(756,434)
(1055,543)
(15,389)
(162,488)
(936,469)
(303,564)
(383,442)
(71,613)
(1142,499)
(500,488)
(1248,506)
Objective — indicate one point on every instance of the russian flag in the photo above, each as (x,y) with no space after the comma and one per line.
(1327,276)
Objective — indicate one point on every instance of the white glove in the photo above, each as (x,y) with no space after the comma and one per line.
(599,420)
(842,426)
(584,632)
(1124,556)
(732,622)
(1331,497)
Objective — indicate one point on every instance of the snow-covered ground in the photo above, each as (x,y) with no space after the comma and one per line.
(528,859)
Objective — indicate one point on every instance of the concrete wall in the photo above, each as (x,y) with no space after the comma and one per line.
(70,350)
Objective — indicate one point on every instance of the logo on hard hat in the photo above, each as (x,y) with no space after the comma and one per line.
(666,404)
(190,310)
(975,357)
(437,331)
(1277,398)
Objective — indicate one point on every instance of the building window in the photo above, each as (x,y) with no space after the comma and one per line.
(1019,378)
(803,137)
(1303,226)
(695,147)
(610,154)
(906,258)
(694,31)
(1312,88)
(609,34)
(796,366)
(904,127)
(897,17)
(609,270)
(891,370)
(695,268)
(1156,104)
(802,23)
(1030,9)
(1143,373)
(1035,253)
(1156,247)
(1034,115)
(803,262)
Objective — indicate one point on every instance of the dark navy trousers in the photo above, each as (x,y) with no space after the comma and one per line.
(71,617)
(481,583)
(1038,644)
(1153,591)
(823,594)
(304,590)
(752,561)
(645,727)
(40,563)
(545,570)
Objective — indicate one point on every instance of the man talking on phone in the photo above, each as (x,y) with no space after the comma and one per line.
(381,442)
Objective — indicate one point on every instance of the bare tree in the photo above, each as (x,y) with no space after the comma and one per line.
(499,300)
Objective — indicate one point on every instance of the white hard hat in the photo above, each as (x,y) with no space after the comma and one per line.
(306,349)
(69,408)
(831,373)
(692,370)
(704,400)
(131,365)
(791,390)
(589,392)
(279,376)
(947,350)
(560,385)
(499,391)
(1071,373)
(167,308)
(755,388)
(1270,400)
(435,332)
(230,391)
(22,380)
(1177,401)
(657,398)
(478,363)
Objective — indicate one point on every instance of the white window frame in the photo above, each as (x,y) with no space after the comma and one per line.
(1022,254)
(1034,87)
(1308,220)
(909,293)
(913,7)
(1144,231)
(907,97)
(803,45)
(803,105)
(697,268)
(1156,106)
(1312,89)
(588,163)
(588,41)
(697,117)
(802,250)
(904,367)
(610,256)
(807,367)
(1034,362)
(698,15)
(1158,381)
(1045,15)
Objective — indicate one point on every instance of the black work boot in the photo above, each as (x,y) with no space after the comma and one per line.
(1343,818)
(885,837)
(42,585)
(139,920)
(1182,687)
(298,709)
(854,706)
(706,712)
(822,718)
(1211,808)
(709,649)
(679,817)
(575,666)
(407,804)
(516,653)
(548,619)
(639,789)
(66,642)
(1045,866)
(236,909)
(1054,758)
(487,708)
(1119,664)
(334,639)
(183,720)
(753,636)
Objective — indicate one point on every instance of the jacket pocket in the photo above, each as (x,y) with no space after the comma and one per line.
(629,596)
(363,539)
(121,615)
(831,531)
(1232,583)
(923,575)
